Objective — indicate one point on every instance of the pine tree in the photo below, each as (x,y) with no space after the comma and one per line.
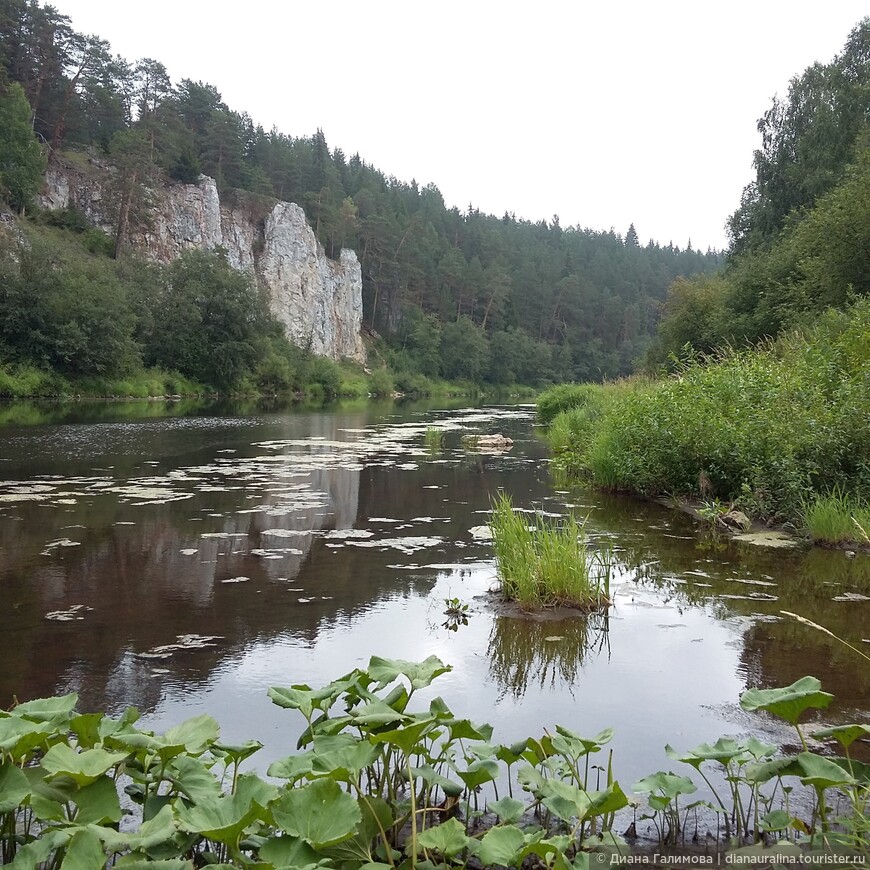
(21,160)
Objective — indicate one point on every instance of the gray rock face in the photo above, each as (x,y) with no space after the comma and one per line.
(318,300)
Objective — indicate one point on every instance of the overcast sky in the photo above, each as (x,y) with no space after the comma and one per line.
(604,114)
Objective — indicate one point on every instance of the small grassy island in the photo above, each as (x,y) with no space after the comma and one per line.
(547,563)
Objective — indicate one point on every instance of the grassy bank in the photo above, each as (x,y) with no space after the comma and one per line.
(780,431)
(319,379)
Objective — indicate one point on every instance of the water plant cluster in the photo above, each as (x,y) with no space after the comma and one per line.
(779,431)
(547,562)
(380,785)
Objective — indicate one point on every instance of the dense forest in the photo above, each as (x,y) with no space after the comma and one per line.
(449,293)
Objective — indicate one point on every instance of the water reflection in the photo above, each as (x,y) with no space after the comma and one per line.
(544,654)
(284,547)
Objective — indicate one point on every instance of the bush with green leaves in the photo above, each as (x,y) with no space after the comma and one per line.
(769,428)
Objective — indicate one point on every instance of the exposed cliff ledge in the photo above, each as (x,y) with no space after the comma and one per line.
(318,300)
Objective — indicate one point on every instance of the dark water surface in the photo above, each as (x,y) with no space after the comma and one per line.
(269,548)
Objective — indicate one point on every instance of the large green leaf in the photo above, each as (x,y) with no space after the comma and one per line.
(845,735)
(289,853)
(565,800)
(420,674)
(448,838)
(376,712)
(195,734)
(580,745)
(193,778)
(301,697)
(859,770)
(98,803)
(14,787)
(48,709)
(667,785)
(724,750)
(341,756)
(822,772)
(479,772)
(293,767)
(86,727)
(508,809)
(18,737)
(531,780)
(429,775)
(236,753)
(156,831)
(321,813)
(84,852)
(224,818)
(36,854)
(465,729)
(83,767)
(788,702)
(377,818)
(765,771)
(501,846)
(406,737)
(511,754)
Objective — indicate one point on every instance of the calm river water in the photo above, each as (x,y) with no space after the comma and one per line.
(184,563)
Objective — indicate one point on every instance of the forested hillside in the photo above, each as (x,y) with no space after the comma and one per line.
(456,294)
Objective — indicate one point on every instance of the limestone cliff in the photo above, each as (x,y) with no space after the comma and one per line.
(318,300)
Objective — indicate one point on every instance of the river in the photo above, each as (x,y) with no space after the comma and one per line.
(185,558)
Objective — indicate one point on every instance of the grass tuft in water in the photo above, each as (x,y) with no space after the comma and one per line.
(547,564)
(434,438)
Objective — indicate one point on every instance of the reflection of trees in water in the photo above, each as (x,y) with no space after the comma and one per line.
(546,654)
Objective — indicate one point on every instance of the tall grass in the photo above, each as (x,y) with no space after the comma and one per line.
(433,438)
(548,563)
(836,518)
(772,429)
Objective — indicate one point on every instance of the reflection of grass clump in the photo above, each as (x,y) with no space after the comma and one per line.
(544,654)
(836,518)
(548,563)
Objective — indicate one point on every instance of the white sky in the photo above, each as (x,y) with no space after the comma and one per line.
(601,113)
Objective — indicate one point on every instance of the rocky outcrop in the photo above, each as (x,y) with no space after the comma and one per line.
(318,300)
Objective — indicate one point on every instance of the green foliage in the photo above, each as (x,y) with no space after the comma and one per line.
(769,429)
(808,140)
(548,563)
(464,351)
(836,518)
(206,320)
(381,384)
(63,312)
(374,780)
(21,159)
(564,397)
(433,438)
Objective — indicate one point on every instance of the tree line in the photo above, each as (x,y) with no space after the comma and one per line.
(451,293)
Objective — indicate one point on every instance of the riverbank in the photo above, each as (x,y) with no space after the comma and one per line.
(328,380)
(779,433)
